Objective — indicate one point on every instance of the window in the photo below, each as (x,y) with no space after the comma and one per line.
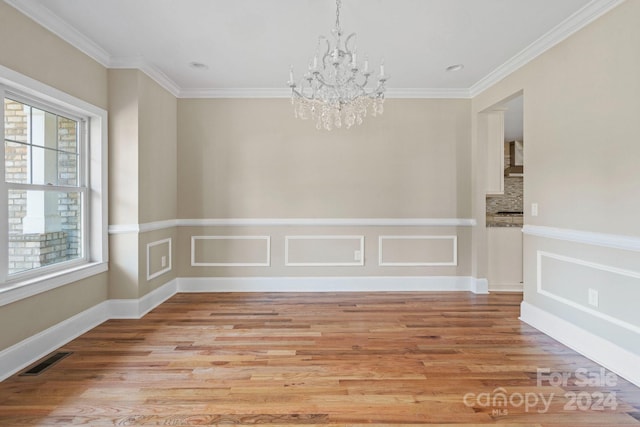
(53,200)
(45,180)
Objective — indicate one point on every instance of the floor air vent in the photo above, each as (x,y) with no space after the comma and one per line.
(46,363)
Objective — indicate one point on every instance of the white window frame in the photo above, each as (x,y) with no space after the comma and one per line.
(95,224)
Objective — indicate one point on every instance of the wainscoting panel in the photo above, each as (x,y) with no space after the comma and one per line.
(158,258)
(230,251)
(569,281)
(324,251)
(414,251)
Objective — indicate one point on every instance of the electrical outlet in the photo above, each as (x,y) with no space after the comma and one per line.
(534,209)
(163,261)
(593,297)
(357,255)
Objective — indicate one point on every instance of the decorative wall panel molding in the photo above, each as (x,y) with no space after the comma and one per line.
(325,251)
(543,286)
(231,251)
(167,252)
(426,254)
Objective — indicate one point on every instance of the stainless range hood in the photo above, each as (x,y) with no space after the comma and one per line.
(516,159)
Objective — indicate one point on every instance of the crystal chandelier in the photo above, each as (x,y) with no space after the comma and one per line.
(334,91)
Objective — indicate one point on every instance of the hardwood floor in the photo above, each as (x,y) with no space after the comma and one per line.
(334,358)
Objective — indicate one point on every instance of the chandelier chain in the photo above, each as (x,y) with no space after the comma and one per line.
(338,6)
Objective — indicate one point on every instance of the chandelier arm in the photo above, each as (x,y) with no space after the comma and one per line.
(334,91)
(301,94)
(328,45)
(349,50)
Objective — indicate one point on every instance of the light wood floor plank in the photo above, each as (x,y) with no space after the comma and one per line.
(316,359)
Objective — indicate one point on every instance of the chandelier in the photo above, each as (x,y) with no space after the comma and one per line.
(334,91)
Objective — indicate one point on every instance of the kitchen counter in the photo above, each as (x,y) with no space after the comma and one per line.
(505,219)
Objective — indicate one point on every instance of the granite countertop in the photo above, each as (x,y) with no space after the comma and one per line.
(505,219)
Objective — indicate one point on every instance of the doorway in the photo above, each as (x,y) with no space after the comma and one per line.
(505,208)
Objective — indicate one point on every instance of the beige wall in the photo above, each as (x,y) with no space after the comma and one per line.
(143,177)
(124,106)
(581,109)
(25,318)
(251,159)
(32,51)
(157,153)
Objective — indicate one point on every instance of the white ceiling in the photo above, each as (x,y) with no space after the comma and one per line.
(248,45)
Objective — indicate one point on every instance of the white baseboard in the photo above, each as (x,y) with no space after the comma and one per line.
(479,286)
(506,287)
(324,284)
(613,357)
(23,354)
(137,308)
(30,350)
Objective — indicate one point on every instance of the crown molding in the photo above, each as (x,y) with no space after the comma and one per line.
(417,93)
(580,19)
(43,16)
(428,93)
(139,63)
(235,93)
(52,22)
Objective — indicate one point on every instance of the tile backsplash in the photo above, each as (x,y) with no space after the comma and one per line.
(511,200)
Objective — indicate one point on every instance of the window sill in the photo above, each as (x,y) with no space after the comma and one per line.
(16,291)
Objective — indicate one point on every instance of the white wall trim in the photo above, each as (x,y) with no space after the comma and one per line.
(158,225)
(583,17)
(506,287)
(357,263)
(325,284)
(382,263)
(613,241)
(268,222)
(124,228)
(265,263)
(400,93)
(216,93)
(349,222)
(479,285)
(143,227)
(576,305)
(137,308)
(611,356)
(71,35)
(62,29)
(153,72)
(169,264)
(17,291)
(427,93)
(19,356)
